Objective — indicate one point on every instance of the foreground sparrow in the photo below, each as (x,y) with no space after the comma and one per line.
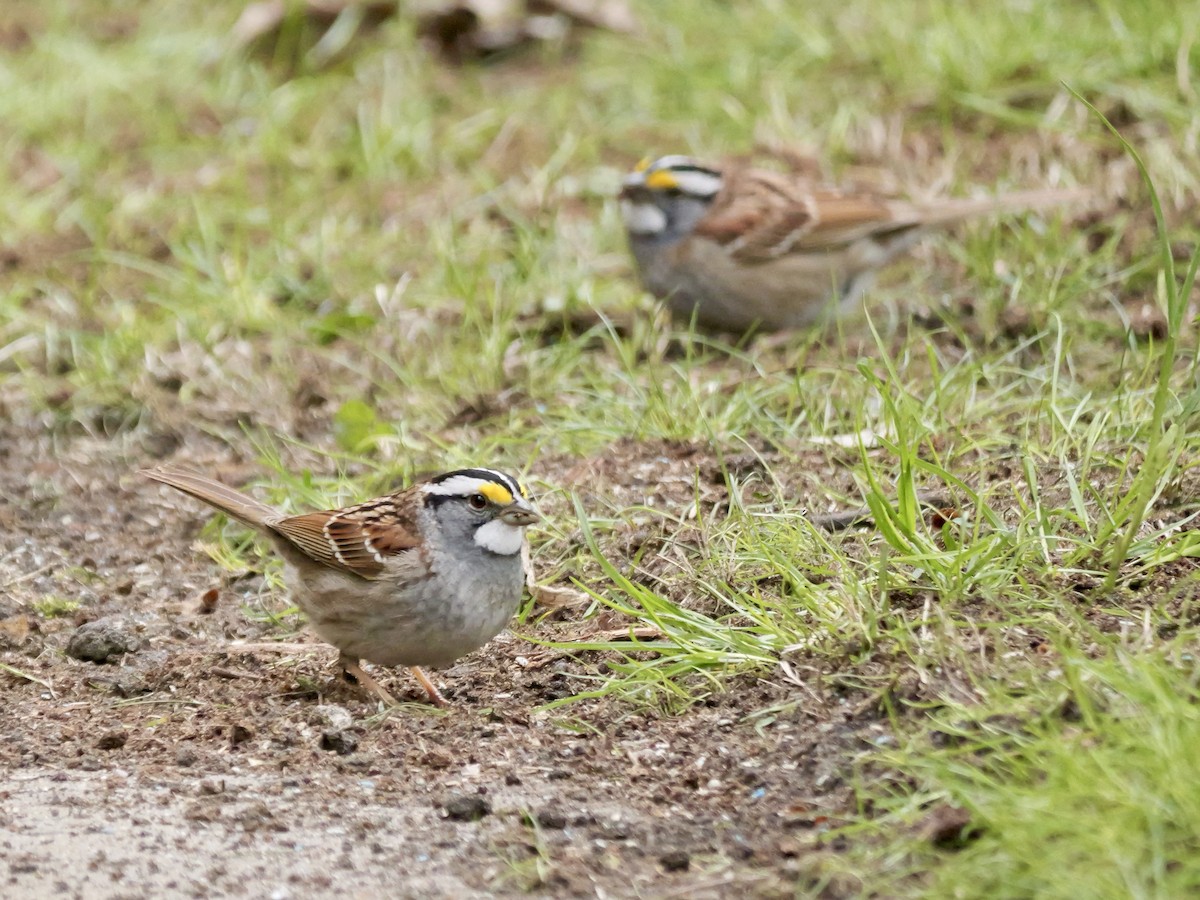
(417,578)
(747,248)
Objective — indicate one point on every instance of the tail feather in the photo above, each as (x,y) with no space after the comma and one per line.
(236,504)
(949,211)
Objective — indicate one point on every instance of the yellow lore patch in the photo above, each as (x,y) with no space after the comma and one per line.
(661,181)
(497,493)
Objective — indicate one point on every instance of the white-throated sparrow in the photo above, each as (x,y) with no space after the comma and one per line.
(745,247)
(417,578)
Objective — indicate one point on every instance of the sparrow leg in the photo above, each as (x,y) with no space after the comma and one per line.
(430,688)
(351,667)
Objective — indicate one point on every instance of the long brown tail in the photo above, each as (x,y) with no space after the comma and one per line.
(244,509)
(949,211)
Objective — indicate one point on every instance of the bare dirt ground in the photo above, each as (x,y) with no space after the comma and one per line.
(206,763)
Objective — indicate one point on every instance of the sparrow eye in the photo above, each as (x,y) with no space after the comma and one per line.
(477,501)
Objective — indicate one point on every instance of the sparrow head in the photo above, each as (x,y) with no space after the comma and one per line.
(488,505)
(667,196)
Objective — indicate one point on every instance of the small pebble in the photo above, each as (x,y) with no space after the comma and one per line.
(466,808)
(186,756)
(210,787)
(551,818)
(615,830)
(114,740)
(675,861)
(129,684)
(332,716)
(239,734)
(102,640)
(339,741)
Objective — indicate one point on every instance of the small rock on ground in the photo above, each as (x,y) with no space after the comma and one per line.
(339,741)
(331,716)
(466,808)
(113,740)
(675,861)
(102,640)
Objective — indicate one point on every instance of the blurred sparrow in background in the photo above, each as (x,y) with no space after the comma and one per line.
(740,248)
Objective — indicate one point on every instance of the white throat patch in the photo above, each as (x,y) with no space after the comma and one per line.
(643,218)
(500,537)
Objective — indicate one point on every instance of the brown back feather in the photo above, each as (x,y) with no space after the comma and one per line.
(761,215)
(358,539)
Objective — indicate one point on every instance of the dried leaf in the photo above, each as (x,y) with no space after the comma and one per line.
(554,597)
(208,601)
(610,15)
(477,29)
(14,630)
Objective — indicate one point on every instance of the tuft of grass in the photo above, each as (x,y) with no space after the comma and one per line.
(1164,440)
(528,863)
(54,607)
(1080,788)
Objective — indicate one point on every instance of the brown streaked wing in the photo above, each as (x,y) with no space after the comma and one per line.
(358,539)
(763,215)
(757,213)
(842,219)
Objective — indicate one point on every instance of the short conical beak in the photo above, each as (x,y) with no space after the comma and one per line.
(519,513)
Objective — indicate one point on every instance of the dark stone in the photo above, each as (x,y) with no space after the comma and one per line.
(129,684)
(948,826)
(102,640)
(114,740)
(675,861)
(551,818)
(339,741)
(239,734)
(466,808)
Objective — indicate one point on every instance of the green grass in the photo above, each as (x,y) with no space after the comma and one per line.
(1081,784)
(356,275)
(53,607)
